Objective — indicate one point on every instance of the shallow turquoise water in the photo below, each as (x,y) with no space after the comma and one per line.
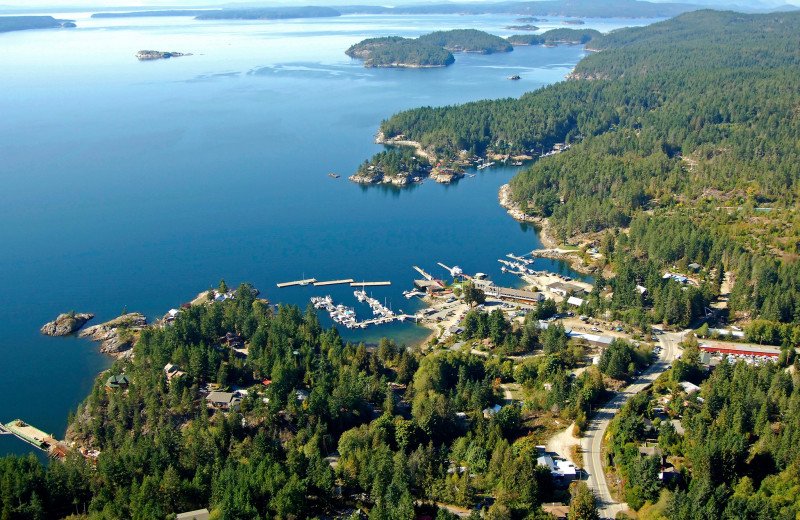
(137,185)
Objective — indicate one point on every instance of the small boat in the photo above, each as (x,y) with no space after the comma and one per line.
(334,175)
(514,77)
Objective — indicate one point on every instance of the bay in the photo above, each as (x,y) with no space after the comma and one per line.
(136,185)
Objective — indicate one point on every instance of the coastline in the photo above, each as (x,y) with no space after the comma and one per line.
(550,247)
(380,138)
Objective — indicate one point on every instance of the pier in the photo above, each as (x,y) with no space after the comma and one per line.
(423,273)
(369,284)
(333,282)
(297,282)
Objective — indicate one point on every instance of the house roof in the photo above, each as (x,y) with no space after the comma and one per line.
(117,380)
(200,514)
(220,397)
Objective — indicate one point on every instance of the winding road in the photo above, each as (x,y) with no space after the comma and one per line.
(592,441)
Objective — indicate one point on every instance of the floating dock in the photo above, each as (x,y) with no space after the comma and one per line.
(333,282)
(369,284)
(32,435)
(298,282)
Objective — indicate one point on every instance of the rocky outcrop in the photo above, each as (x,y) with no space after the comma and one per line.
(513,208)
(66,324)
(118,335)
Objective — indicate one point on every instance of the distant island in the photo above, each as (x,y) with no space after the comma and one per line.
(394,51)
(528,10)
(159,55)
(522,28)
(265,13)
(573,22)
(22,23)
(555,36)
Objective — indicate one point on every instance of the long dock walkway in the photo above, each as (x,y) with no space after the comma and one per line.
(369,284)
(297,282)
(423,273)
(333,282)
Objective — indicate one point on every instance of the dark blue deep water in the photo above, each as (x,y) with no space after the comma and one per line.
(137,185)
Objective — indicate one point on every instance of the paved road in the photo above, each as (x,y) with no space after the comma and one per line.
(591,443)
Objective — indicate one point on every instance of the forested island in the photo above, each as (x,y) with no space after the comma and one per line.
(555,36)
(429,50)
(22,23)
(394,51)
(467,40)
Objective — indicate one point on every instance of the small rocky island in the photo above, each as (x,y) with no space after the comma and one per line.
(66,324)
(159,55)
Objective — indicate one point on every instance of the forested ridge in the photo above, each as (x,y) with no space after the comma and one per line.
(682,129)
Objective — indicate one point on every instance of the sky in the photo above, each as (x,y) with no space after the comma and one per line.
(56,4)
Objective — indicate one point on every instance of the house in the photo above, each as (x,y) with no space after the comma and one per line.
(562,471)
(557,509)
(223,400)
(117,381)
(173,372)
(572,300)
(688,387)
(302,395)
(429,286)
(489,412)
(694,266)
(455,329)
(200,514)
(650,451)
(233,340)
(642,289)
(170,316)
(564,288)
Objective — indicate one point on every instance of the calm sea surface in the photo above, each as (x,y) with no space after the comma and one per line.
(136,185)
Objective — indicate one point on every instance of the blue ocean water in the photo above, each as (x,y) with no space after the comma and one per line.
(137,185)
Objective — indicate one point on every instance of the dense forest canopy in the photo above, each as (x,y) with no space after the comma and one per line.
(400,427)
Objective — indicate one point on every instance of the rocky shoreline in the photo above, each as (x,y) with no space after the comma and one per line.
(118,336)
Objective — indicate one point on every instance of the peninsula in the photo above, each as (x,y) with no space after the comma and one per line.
(22,23)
